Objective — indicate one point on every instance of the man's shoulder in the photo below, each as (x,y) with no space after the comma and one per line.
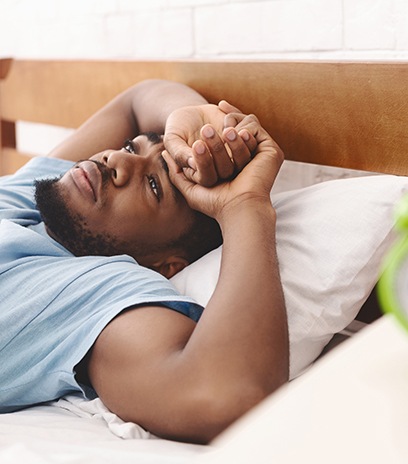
(17,190)
(39,167)
(36,168)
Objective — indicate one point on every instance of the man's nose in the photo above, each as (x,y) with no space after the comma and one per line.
(124,166)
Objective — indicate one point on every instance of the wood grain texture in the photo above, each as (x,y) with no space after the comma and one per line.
(351,115)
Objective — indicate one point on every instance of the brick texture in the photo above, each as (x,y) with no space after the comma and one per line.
(287,29)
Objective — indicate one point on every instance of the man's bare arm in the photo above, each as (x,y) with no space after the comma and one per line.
(189,382)
(142,108)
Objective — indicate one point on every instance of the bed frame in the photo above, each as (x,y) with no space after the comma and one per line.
(352,115)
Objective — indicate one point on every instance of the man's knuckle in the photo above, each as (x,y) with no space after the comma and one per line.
(217,146)
(252,117)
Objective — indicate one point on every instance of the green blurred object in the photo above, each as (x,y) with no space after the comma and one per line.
(393,283)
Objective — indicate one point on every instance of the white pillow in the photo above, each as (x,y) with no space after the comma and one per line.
(331,238)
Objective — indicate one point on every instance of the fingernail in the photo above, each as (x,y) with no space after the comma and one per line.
(244,135)
(191,163)
(231,135)
(208,132)
(164,156)
(199,148)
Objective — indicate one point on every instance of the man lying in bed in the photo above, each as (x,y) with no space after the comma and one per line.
(73,297)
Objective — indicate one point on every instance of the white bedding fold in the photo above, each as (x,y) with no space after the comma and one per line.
(95,409)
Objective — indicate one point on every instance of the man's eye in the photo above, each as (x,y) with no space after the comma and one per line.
(129,146)
(155,187)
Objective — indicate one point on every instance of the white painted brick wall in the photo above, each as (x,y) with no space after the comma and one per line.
(307,26)
(287,29)
(401,24)
(369,25)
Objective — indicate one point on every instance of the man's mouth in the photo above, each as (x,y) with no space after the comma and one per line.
(88,178)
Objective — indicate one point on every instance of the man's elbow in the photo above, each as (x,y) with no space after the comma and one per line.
(214,410)
(223,411)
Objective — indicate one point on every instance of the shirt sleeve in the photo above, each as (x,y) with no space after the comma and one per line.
(17,190)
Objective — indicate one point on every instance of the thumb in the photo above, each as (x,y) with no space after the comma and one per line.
(226,107)
(177,176)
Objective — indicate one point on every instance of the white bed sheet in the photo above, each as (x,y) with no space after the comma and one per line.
(83,432)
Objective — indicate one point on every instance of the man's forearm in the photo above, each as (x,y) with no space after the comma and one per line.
(242,337)
(155,100)
(241,341)
(141,108)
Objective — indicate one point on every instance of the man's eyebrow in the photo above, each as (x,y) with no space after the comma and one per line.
(153,137)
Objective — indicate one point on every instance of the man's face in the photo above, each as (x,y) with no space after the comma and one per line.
(123,197)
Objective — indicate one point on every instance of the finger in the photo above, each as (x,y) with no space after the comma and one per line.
(176,173)
(244,120)
(223,105)
(251,131)
(220,157)
(180,151)
(232,117)
(236,120)
(241,154)
(205,173)
(249,140)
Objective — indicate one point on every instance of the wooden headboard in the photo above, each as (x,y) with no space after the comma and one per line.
(352,115)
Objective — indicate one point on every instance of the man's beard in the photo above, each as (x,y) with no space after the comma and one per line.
(69,228)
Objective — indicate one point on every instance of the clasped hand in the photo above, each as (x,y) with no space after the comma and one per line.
(218,156)
(207,142)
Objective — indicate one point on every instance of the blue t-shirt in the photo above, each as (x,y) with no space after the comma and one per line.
(54,305)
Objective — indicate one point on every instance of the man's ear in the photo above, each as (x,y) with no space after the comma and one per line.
(171,265)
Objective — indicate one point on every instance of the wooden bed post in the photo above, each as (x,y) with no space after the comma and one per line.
(8,145)
(10,160)
(7,128)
